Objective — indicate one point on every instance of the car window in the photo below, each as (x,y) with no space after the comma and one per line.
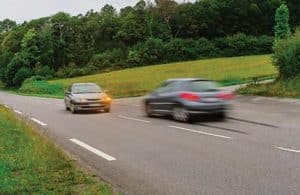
(86,88)
(174,86)
(168,87)
(202,86)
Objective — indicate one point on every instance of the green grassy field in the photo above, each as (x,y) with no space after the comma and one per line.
(138,81)
(31,164)
(279,88)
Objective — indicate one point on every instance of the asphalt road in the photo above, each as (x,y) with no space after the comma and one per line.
(257,151)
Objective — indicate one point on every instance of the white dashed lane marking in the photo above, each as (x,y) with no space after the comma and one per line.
(39,122)
(288,150)
(18,112)
(134,119)
(93,150)
(200,132)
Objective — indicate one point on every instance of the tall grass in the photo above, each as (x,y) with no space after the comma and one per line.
(279,88)
(31,164)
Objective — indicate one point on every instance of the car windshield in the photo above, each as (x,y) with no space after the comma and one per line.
(86,88)
(203,86)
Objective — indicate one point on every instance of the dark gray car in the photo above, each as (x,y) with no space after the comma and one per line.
(183,99)
(86,97)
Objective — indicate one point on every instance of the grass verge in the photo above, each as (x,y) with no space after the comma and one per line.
(31,164)
(139,81)
(278,88)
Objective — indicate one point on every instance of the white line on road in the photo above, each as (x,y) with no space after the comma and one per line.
(38,122)
(93,150)
(288,150)
(200,132)
(134,119)
(18,112)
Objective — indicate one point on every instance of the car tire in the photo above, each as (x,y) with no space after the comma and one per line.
(67,108)
(107,110)
(72,109)
(148,110)
(221,116)
(180,114)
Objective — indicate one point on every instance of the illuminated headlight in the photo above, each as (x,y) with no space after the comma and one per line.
(107,99)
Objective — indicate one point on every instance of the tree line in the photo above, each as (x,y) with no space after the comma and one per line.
(147,33)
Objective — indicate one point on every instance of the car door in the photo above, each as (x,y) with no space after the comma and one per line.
(164,98)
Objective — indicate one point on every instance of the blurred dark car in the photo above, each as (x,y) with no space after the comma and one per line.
(86,97)
(185,99)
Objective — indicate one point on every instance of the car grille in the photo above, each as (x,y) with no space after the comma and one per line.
(93,100)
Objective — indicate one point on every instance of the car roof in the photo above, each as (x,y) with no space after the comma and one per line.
(186,80)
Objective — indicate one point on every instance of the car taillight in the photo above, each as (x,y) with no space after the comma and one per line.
(226,96)
(190,97)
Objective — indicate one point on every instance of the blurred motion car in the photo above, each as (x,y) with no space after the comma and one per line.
(86,97)
(186,99)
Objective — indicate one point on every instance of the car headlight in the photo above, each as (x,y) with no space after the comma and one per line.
(107,99)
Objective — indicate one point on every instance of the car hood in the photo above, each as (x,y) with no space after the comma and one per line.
(90,95)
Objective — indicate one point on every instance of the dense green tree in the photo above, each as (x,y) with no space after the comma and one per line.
(282,27)
(150,32)
(7,25)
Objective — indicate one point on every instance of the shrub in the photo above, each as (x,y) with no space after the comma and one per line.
(149,52)
(22,74)
(287,56)
(108,60)
(264,45)
(181,50)
(44,71)
(241,44)
(70,71)
(206,48)
(12,68)
(35,86)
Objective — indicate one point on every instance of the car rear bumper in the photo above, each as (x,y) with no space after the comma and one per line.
(208,109)
(199,112)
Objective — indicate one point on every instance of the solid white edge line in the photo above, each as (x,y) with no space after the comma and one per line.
(17,111)
(288,150)
(134,119)
(201,132)
(38,121)
(93,150)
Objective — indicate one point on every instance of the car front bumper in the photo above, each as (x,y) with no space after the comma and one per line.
(89,106)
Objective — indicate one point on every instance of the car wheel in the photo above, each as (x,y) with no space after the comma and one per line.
(221,116)
(72,108)
(107,110)
(180,114)
(149,111)
(67,108)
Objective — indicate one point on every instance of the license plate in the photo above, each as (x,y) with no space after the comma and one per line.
(210,100)
(94,104)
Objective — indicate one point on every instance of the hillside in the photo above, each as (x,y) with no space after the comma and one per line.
(138,81)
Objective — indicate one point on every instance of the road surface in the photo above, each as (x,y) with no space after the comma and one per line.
(257,151)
